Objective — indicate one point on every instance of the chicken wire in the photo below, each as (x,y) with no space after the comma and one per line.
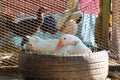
(93,29)
(17,10)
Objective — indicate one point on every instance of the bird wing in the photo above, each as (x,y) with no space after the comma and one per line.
(81,48)
(66,50)
(70,28)
(72,5)
(62,19)
(76,16)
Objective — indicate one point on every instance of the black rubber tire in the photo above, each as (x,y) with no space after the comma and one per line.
(51,67)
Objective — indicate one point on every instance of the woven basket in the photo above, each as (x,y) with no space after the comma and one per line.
(51,67)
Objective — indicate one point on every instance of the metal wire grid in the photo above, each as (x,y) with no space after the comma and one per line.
(14,9)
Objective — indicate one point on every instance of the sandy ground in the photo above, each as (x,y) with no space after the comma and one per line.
(11,77)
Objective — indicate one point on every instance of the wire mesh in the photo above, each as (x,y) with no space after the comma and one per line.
(92,24)
(14,9)
(19,10)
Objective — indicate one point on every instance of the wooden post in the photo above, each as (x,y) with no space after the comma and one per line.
(102,27)
(115,45)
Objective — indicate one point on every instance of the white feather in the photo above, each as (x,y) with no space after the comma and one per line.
(65,50)
(43,46)
(81,48)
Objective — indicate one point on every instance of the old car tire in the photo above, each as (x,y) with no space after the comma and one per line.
(51,67)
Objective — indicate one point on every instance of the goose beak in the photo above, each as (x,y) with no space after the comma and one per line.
(59,45)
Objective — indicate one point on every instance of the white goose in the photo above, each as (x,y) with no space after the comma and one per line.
(43,46)
(71,45)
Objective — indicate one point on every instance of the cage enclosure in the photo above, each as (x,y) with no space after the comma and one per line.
(46,21)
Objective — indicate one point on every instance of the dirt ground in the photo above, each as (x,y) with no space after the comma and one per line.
(114,69)
(10,77)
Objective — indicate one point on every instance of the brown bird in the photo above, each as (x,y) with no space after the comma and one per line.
(27,27)
(68,22)
(49,25)
(3,28)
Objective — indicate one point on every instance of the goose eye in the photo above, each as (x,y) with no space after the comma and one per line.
(64,38)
